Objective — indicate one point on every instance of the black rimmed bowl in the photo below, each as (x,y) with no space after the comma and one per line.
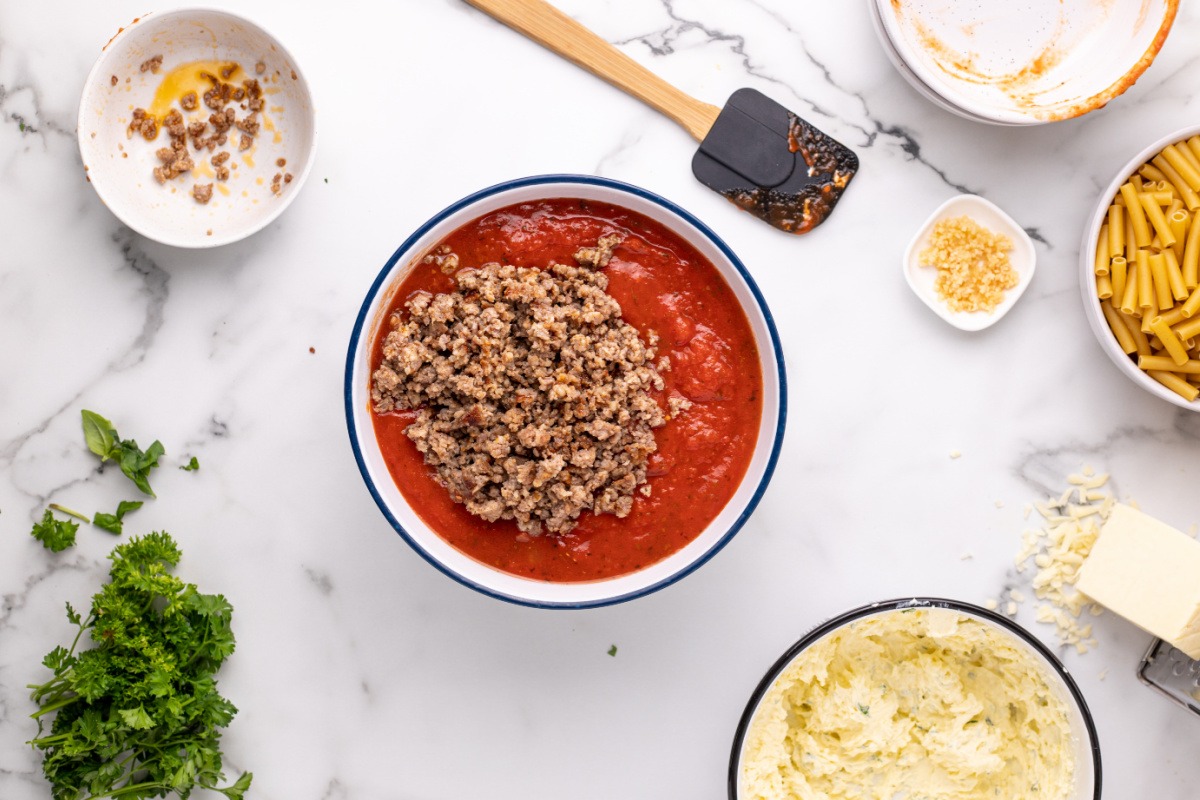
(1087,745)
(503,585)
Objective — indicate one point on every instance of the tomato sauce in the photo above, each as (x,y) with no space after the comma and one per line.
(663,284)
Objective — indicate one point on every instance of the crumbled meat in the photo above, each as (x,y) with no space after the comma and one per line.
(173,122)
(442,256)
(597,257)
(677,404)
(175,161)
(253,94)
(113,81)
(287,177)
(151,64)
(222,120)
(208,135)
(260,68)
(248,125)
(533,396)
(281,162)
(143,123)
(219,95)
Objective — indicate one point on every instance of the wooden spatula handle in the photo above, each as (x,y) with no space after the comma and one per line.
(553,29)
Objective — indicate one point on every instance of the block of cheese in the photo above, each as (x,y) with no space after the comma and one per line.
(1149,573)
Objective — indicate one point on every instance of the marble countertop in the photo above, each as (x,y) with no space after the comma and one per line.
(363,673)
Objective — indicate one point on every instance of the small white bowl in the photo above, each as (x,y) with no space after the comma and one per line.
(1026,62)
(503,585)
(120,168)
(1087,274)
(921,279)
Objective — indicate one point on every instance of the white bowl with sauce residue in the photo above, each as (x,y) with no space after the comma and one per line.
(120,166)
(1025,62)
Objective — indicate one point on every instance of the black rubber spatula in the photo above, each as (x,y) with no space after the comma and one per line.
(754,151)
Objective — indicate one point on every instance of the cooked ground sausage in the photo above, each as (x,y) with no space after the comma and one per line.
(532,394)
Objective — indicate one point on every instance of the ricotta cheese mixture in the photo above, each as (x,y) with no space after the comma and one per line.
(911,704)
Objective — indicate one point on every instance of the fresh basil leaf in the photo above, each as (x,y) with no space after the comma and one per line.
(103,440)
(137,464)
(113,522)
(108,522)
(191,466)
(99,434)
(125,506)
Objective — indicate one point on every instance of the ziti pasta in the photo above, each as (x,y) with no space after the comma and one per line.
(1147,273)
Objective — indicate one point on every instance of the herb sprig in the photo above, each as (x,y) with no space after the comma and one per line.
(103,440)
(138,715)
(55,534)
(113,523)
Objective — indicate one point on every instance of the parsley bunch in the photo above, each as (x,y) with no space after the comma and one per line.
(138,715)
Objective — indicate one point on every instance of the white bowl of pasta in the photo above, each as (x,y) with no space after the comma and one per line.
(1139,269)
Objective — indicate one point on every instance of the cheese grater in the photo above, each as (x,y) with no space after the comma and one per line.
(1167,670)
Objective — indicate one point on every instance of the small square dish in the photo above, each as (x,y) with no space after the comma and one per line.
(987,214)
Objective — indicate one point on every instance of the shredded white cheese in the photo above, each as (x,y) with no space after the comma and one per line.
(1070,524)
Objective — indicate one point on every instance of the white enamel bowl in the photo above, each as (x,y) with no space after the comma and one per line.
(120,168)
(1087,274)
(482,577)
(1086,744)
(1023,62)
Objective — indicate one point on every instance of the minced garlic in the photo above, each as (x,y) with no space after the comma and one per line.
(972,264)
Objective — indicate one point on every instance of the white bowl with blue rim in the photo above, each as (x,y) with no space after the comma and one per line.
(482,577)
